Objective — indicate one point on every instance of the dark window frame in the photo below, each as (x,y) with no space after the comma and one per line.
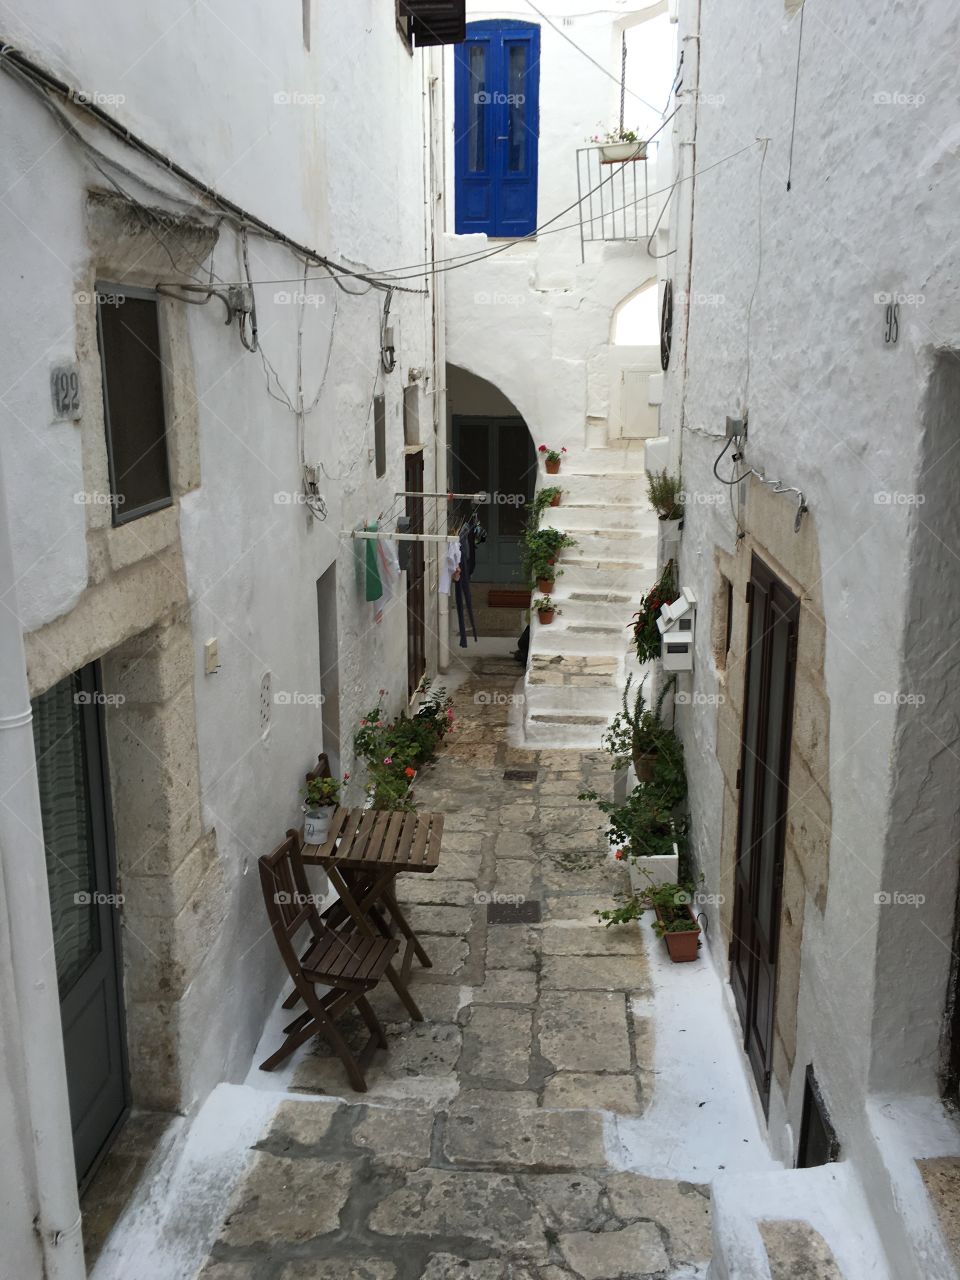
(815,1108)
(126,516)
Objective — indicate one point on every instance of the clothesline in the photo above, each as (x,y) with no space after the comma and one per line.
(431,533)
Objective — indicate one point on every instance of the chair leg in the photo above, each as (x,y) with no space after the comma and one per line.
(403,991)
(372,1021)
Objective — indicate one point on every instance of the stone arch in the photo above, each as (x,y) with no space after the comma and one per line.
(635,320)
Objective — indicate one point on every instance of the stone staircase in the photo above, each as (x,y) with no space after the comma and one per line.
(579,663)
(794,1224)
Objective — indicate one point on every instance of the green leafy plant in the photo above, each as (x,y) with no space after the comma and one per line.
(637,732)
(646,636)
(553,456)
(395,749)
(544,604)
(321,793)
(540,547)
(547,495)
(665,494)
(617,134)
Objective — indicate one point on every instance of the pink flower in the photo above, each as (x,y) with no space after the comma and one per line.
(619,855)
(362,723)
(450,714)
(379,724)
(346,777)
(563,448)
(388,759)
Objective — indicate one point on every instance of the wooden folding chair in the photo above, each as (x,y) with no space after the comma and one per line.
(348,962)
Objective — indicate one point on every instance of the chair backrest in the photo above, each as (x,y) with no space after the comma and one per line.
(323,768)
(288,899)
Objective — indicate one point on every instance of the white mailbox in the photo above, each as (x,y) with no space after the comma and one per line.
(676,625)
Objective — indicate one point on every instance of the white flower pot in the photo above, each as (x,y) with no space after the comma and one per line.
(668,541)
(661,869)
(316,825)
(624,151)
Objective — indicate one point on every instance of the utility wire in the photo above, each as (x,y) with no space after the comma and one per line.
(583,52)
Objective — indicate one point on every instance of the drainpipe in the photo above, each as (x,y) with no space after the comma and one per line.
(23,885)
(688,147)
(437,146)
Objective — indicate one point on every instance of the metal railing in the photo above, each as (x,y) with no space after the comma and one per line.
(614,197)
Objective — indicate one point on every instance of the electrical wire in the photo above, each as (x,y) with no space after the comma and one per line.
(599,66)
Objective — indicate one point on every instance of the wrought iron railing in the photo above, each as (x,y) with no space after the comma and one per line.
(614,196)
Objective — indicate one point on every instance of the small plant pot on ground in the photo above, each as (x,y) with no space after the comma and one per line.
(682,936)
(316,825)
(545,586)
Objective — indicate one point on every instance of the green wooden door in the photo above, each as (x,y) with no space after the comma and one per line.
(497,456)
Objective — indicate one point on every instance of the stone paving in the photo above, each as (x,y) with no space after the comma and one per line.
(478,1151)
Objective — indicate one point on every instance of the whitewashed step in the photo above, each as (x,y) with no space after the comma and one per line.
(599,515)
(606,608)
(794,1223)
(617,486)
(625,577)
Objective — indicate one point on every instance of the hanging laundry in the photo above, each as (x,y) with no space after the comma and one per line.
(463,589)
(374,586)
(389,566)
(450,566)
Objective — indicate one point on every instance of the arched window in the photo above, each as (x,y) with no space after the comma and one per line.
(636,321)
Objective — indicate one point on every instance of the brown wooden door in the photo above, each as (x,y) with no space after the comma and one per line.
(416,626)
(764,766)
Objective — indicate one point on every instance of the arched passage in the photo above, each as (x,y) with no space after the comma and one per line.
(491,449)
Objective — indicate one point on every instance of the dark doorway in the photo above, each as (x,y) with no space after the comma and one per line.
(496,456)
(85,905)
(416,615)
(328,634)
(764,767)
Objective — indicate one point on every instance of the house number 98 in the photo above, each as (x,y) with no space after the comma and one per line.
(891,324)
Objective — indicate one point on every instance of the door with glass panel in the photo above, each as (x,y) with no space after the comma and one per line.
(763,782)
(496,123)
(496,455)
(84,902)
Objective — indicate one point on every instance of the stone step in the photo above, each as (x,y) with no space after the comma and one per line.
(602,486)
(794,1224)
(600,515)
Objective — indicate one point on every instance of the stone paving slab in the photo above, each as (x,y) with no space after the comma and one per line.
(478,1151)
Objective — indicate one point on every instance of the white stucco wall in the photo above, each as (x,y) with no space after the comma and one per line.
(339,165)
(534,320)
(835,412)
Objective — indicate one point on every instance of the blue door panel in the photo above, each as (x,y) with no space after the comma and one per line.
(497,120)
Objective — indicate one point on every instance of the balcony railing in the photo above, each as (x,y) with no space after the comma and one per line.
(614,197)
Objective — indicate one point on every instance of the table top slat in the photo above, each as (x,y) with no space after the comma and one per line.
(374,849)
(419,845)
(364,831)
(436,835)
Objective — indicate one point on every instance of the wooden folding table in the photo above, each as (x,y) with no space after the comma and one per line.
(365,851)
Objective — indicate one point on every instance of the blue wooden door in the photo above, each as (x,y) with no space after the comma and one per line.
(497,121)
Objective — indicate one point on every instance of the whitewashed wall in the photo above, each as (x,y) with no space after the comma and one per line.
(832,410)
(534,320)
(328,146)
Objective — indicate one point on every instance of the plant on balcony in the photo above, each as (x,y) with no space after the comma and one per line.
(620,143)
(646,637)
(666,495)
(552,458)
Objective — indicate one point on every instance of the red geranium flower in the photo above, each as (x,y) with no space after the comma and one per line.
(411,773)
(619,855)
(542,449)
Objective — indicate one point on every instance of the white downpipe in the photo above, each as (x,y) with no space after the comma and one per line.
(437,136)
(23,885)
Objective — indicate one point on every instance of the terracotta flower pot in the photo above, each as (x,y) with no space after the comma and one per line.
(644,765)
(551,559)
(683,946)
(555,500)
(552,468)
(545,616)
(545,586)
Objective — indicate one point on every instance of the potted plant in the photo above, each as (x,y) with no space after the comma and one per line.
(547,579)
(666,498)
(646,637)
(620,144)
(552,458)
(321,796)
(551,495)
(545,610)
(675,922)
